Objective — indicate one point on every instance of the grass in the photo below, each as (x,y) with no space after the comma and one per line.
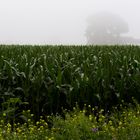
(118,125)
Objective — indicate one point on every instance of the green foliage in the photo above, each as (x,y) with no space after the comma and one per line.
(118,125)
(52,77)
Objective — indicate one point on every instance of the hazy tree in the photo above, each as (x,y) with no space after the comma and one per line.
(105,28)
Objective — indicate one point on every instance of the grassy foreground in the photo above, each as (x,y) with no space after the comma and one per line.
(120,125)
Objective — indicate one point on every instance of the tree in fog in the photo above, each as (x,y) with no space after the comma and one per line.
(106,28)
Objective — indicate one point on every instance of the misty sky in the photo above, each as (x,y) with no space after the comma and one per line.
(59,21)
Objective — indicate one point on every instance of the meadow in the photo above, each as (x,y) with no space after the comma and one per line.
(40,86)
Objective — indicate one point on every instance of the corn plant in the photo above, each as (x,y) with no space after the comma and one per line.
(50,78)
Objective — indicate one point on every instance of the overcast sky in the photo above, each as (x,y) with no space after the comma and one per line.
(59,21)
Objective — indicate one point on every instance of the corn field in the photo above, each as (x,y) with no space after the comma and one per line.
(46,79)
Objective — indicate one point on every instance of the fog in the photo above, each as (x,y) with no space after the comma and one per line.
(59,21)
